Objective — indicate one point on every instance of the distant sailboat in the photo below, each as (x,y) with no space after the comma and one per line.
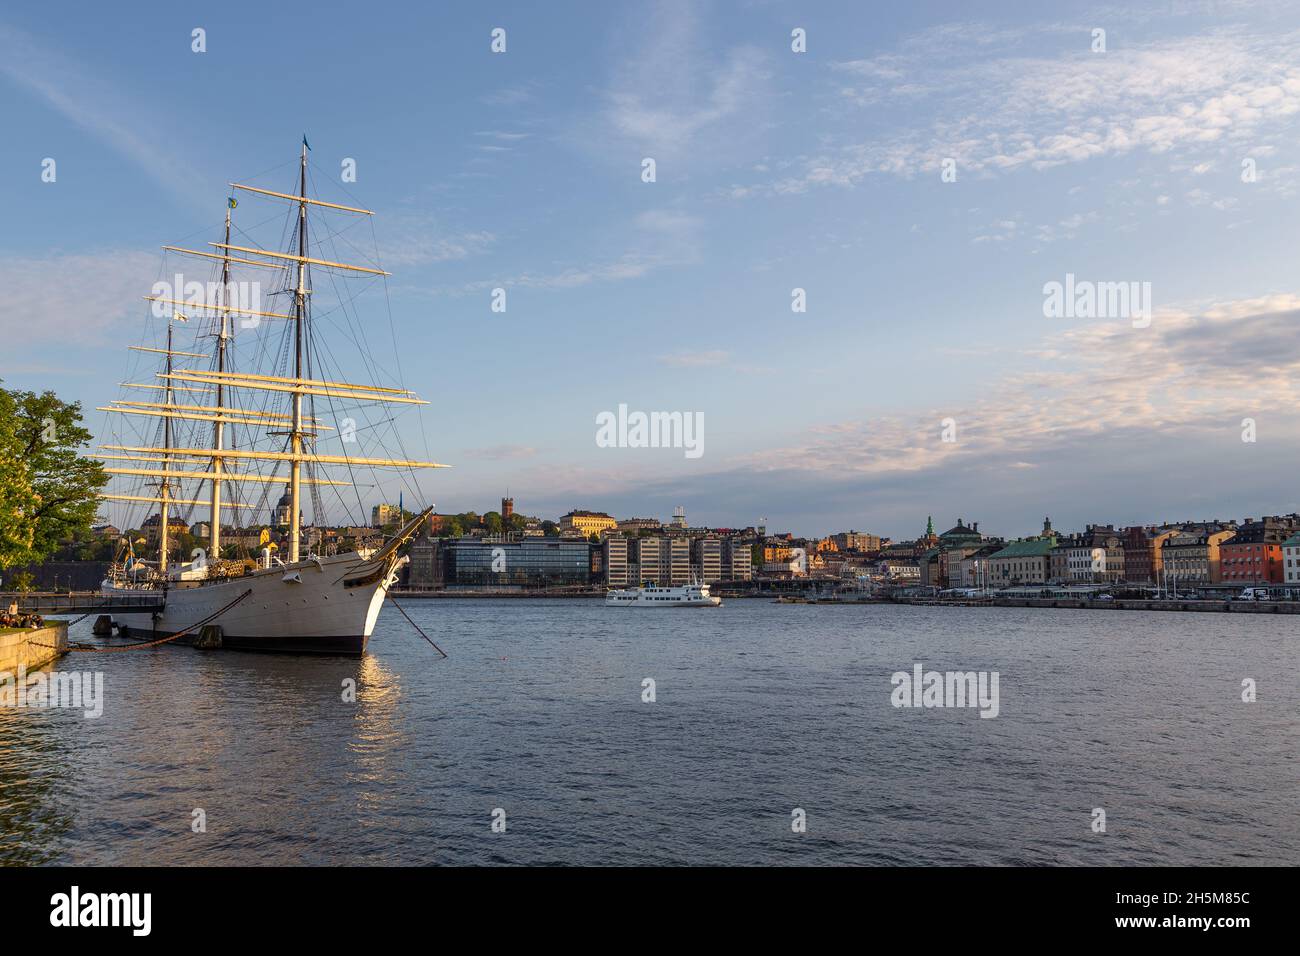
(304,602)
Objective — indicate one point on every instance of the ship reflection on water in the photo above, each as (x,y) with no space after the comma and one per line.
(199,752)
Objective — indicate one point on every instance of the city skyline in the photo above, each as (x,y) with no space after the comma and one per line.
(776,170)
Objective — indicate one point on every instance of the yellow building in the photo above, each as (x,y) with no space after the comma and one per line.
(587,523)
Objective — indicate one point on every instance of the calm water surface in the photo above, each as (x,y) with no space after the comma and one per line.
(760,708)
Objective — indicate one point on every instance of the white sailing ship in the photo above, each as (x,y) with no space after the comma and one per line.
(688,595)
(235,434)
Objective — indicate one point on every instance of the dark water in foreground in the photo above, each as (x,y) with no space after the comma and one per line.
(760,709)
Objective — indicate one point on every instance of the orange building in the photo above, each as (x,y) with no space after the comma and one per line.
(1254,555)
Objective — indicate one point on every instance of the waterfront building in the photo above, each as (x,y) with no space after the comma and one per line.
(1193,555)
(1095,556)
(776,552)
(586,523)
(1143,560)
(1291,560)
(706,554)
(645,553)
(1027,561)
(530,562)
(972,569)
(1059,561)
(903,570)
(425,570)
(639,524)
(928,565)
(1254,554)
(617,574)
(899,550)
(854,541)
(675,561)
(737,560)
(954,545)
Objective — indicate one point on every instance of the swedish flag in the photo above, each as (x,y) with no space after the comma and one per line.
(232,202)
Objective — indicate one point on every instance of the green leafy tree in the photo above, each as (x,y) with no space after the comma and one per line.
(46,487)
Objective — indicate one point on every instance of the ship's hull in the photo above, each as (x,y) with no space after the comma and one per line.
(313,607)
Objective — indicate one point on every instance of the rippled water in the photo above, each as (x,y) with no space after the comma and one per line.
(760,708)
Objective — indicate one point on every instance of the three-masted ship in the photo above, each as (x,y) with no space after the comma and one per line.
(241,435)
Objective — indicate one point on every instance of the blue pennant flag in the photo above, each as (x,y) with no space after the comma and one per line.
(305,143)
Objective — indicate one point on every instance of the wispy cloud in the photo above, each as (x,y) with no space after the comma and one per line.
(694,359)
(82,299)
(93,104)
(1106,403)
(515,95)
(678,95)
(500,452)
(1003,110)
(416,239)
(1190,372)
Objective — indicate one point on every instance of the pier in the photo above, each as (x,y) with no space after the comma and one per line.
(84,602)
(26,649)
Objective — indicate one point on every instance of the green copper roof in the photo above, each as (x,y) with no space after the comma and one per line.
(1028,548)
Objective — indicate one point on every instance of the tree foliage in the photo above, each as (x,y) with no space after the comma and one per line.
(47,490)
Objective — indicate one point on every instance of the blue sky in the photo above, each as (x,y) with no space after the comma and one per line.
(775,170)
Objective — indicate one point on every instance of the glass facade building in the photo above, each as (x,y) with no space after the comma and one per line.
(530,562)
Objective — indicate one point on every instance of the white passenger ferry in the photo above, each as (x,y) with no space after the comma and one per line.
(689,595)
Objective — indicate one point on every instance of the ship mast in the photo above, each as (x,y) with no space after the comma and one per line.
(192,380)
(164,527)
(300,318)
(218,427)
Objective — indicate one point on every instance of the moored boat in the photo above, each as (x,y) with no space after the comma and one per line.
(688,595)
(228,431)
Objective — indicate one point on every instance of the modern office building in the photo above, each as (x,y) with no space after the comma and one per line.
(674,561)
(706,559)
(615,549)
(530,562)
(737,560)
(425,569)
(644,557)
